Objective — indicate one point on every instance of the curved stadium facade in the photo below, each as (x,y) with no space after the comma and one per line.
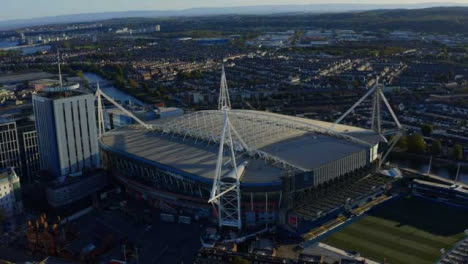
(172,164)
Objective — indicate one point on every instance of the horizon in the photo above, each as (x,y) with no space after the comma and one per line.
(51,9)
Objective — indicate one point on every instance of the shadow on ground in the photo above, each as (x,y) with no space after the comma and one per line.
(425,215)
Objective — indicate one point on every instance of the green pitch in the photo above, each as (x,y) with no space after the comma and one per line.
(407,230)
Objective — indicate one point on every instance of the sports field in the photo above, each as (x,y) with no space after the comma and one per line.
(406,230)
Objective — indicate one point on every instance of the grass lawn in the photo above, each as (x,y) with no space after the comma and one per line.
(406,230)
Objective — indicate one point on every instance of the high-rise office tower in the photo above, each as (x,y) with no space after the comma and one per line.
(30,155)
(9,148)
(66,131)
(68,143)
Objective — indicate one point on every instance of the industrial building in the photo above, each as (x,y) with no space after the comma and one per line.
(115,117)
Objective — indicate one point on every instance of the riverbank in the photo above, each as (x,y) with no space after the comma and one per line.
(25,49)
(427,157)
(441,167)
(111,90)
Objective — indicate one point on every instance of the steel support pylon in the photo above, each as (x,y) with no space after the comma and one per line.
(225,191)
(223,100)
(376,116)
(229,212)
(100,111)
(376,119)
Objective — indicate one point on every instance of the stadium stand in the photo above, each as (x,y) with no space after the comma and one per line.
(342,194)
(458,255)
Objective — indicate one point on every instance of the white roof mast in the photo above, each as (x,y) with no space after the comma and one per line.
(225,192)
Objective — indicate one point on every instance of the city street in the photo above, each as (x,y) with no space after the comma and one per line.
(157,242)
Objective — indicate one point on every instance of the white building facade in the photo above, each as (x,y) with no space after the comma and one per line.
(66,132)
(10,193)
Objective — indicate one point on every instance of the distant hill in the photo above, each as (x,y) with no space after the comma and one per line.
(437,19)
(241,10)
(442,20)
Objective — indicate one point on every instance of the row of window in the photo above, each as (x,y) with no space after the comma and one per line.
(9,150)
(340,167)
(80,145)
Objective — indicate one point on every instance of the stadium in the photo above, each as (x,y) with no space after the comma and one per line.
(173,163)
(248,167)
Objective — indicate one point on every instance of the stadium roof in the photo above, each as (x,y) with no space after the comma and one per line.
(189,142)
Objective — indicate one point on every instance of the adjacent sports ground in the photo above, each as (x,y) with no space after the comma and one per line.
(405,230)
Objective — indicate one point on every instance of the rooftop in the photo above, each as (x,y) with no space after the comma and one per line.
(4,120)
(60,95)
(21,77)
(7,174)
(194,158)
(301,142)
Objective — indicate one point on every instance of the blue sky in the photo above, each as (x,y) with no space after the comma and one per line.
(18,9)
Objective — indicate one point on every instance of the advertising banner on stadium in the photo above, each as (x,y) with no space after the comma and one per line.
(292,220)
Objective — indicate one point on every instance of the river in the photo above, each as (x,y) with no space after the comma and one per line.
(7,43)
(26,50)
(111,91)
(34,49)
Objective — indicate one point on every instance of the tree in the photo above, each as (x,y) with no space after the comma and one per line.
(457,152)
(133,83)
(442,78)
(427,129)
(402,142)
(80,74)
(356,83)
(66,44)
(240,260)
(436,147)
(416,144)
(460,102)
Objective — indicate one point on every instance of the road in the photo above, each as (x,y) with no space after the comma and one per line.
(158,242)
